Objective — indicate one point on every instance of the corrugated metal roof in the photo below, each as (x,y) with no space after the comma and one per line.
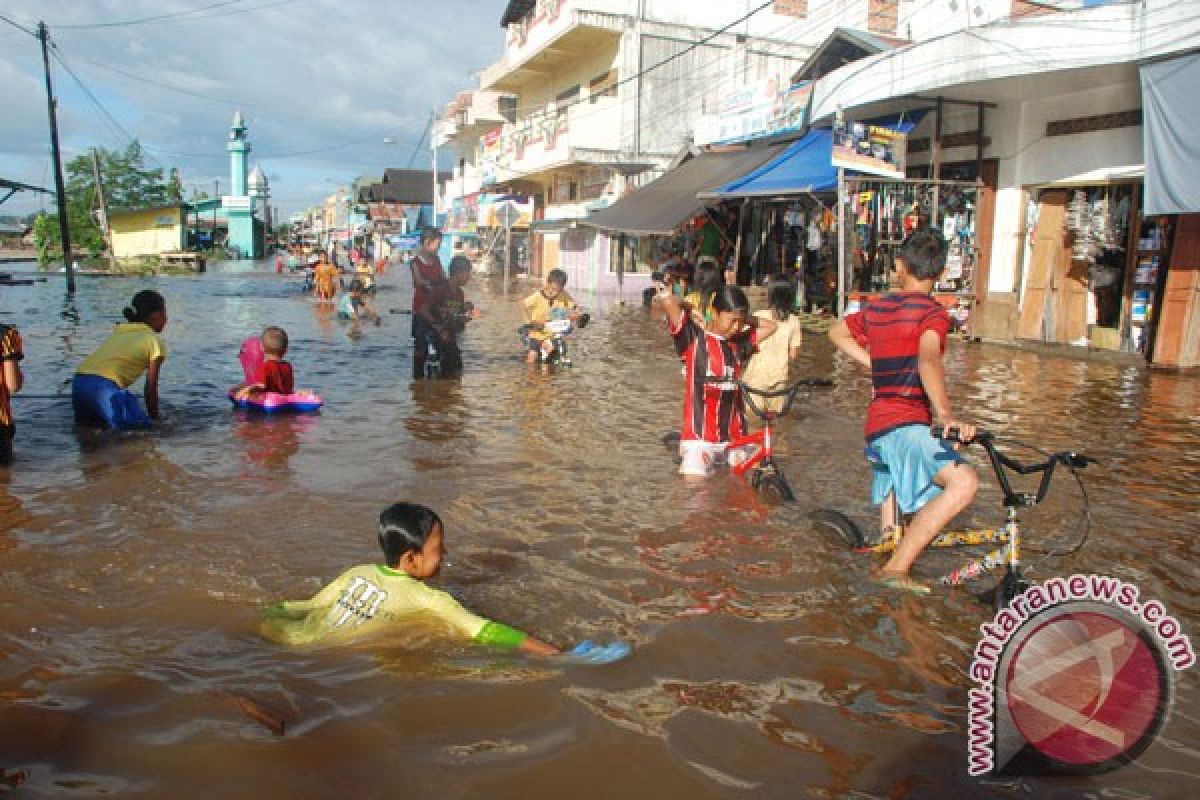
(662,205)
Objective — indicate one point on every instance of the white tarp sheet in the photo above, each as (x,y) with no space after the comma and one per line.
(1171,131)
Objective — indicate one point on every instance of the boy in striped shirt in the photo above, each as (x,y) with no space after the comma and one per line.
(901,338)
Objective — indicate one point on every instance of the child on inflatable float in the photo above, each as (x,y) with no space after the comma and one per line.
(269,382)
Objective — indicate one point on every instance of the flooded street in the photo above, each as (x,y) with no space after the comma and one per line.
(765,662)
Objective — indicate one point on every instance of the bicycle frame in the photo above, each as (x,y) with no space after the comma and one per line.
(1010,534)
(762,441)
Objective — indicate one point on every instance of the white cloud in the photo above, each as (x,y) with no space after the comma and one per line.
(307,75)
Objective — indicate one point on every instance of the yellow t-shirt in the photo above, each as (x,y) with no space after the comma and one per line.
(539,308)
(362,597)
(126,355)
(768,368)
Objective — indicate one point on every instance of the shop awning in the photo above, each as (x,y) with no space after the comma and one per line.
(1170,119)
(661,206)
(806,166)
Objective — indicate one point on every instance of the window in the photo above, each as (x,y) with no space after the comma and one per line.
(568,97)
(507,106)
(603,85)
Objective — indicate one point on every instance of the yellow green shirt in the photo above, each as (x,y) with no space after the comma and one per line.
(363,596)
(539,308)
(126,355)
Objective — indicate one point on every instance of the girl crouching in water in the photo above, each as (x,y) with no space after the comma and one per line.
(100,392)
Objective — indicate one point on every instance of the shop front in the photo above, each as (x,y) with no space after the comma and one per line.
(1097,266)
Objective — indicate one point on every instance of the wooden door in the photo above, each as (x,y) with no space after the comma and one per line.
(1049,250)
(1071,292)
(985,220)
(1175,330)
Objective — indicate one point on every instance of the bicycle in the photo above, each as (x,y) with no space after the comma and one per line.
(765,474)
(559,330)
(1008,555)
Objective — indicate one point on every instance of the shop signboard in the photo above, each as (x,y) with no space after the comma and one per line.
(463,214)
(491,156)
(870,149)
(488,205)
(759,108)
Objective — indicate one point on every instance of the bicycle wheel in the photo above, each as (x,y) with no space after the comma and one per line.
(774,483)
(842,526)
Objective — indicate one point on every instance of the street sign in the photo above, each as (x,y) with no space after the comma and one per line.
(507,214)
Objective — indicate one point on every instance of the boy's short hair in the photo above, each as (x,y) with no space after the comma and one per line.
(274,340)
(557,276)
(459,264)
(404,528)
(429,234)
(924,254)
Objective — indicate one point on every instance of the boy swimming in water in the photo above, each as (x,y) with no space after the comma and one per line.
(276,373)
(413,541)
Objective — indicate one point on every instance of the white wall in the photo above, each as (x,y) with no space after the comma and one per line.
(1045,159)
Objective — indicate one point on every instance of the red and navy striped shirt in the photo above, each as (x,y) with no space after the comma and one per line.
(890,328)
(711,412)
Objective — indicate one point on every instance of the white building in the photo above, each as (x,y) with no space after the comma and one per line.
(1061,125)
(591,94)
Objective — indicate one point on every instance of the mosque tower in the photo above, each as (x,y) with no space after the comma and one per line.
(260,196)
(238,205)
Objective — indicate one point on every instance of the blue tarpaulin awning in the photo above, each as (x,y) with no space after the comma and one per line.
(806,166)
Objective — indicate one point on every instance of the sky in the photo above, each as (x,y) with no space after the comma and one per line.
(330,89)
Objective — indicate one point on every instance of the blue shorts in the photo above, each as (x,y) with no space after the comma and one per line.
(905,461)
(99,402)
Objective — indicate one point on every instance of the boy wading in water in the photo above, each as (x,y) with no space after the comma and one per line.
(901,338)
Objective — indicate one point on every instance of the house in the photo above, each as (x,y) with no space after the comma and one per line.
(148,231)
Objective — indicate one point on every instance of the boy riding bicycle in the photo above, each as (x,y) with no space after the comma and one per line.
(901,338)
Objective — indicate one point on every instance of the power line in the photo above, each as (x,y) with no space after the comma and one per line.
(155,18)
(428,127)
(18,26)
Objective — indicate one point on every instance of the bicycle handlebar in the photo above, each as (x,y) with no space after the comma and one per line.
(1000,462)
(789,392)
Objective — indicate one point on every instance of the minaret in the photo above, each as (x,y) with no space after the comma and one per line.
(238,205)
(238,147)
(260,192)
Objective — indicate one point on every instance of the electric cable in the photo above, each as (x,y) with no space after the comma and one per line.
(143,20)
(18,26)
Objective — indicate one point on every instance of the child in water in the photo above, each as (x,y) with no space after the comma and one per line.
(11,381)
(770,366)
(546,304)
(266,370)
(451,312)
(413,541)
(713,414)
(99,392)
(354,304)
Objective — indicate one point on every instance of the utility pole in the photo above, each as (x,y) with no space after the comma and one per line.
(103,205)
(217,197)
(433,138)
(59,188)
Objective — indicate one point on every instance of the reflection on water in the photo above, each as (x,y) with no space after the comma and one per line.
(765,662)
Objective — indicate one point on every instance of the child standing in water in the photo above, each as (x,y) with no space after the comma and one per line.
(769,367)
(413,542)
(713,414)
(325,279)
(99,392)
(11,381)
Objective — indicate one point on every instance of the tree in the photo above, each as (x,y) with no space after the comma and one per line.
(127,184)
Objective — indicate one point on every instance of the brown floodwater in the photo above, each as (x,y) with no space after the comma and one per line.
(765,663)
